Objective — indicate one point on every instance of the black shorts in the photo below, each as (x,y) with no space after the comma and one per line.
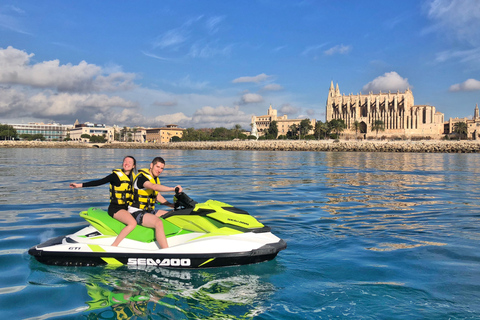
(114,208)
(138,215)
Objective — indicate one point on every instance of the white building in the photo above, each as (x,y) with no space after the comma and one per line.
(92,130)
(51,131)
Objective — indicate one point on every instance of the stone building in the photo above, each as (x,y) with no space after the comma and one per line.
(164,134)
(473,125)
(262,123)
(401,117)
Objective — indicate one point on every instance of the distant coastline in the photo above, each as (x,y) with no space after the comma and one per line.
(437,146)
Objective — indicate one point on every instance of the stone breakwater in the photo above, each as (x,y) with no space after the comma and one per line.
(273,145)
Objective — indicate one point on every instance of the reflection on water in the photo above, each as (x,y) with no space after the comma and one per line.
(126,292)
(364,231)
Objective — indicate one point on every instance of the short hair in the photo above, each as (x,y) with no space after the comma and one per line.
(157,159)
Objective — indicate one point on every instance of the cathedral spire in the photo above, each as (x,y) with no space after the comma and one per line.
(476,116)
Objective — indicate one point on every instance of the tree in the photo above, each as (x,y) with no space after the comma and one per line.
(123,133)
(135,130)
(356,126)
(378,125)
(220,133)
(337,125)
(305,127)
(7,132)
(98,139)
(293,131)
(460,128)
(321,129)
(236,129)
(272,132)
(85,136)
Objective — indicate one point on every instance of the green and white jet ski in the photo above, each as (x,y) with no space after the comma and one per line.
(199,235)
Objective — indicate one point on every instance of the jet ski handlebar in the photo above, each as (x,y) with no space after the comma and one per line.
(182,201)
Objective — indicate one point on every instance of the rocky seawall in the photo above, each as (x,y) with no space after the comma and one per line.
(273,145)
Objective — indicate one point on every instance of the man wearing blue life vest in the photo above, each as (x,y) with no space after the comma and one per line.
(146,192)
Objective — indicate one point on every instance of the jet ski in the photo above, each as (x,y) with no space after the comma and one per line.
(199,235)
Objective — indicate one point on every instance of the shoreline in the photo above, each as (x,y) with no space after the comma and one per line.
(425,146)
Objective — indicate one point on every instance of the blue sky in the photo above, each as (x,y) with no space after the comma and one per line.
(216,63)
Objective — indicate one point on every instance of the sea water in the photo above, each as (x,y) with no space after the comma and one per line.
(370,236)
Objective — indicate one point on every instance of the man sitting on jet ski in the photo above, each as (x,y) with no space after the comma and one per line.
(146,192)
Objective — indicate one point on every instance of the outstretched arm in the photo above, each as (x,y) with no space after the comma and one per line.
(111,178)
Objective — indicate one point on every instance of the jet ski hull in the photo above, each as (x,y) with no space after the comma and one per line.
(58,251)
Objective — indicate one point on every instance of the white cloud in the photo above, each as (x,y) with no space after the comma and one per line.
(390,81)
(272,87)
(471,55)
(50,105)
(170,103)
(186,82)
(289,109)
(209,117)
(11,19)
(340,49)
(193,39)
(15,69)
(151,55)
(256,79)
(459,19)
(200,49)
(313,51)
(212,24)
(176,118)
(251,98)
(468,85)
(171,38)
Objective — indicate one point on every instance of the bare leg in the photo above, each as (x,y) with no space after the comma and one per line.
(160,213)
(151,221)
(127,218)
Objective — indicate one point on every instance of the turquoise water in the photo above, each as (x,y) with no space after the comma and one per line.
(370,236)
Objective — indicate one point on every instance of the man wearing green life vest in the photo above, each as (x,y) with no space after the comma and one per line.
(146,192)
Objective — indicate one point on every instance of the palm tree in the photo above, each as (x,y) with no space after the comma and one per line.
(460,128)
(134,130)
(324,128)
(236,129)
(337,125)
(123,133)
(356,126)
(378,125)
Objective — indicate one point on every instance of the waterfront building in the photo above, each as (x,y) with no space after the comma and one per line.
(400,116)
(262,123)
(139,134)
(473,125)
(130,134)
(164,134)
(51,131)
(92,130)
